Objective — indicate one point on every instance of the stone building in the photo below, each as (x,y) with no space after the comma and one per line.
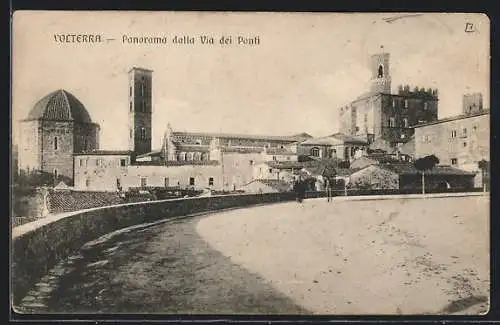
(338,145)
(57,127)
(460,141)
(188,159)
(384,119)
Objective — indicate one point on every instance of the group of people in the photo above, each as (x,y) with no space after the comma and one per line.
(322,184)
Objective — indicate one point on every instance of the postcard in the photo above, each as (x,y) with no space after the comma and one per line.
(209,163)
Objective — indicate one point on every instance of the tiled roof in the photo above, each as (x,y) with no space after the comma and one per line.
(192,147)
(454,118)
(177,163)
(290,138)
(334,139)
(409,169)
(60,105)
(279,185)
(104,153)
(242,149)
(279,151)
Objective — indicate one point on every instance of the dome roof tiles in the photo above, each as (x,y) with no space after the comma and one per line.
(60,105)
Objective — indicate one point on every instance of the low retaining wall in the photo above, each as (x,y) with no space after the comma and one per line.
(39,245)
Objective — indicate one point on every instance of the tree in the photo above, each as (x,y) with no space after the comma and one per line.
(483,166)
(424,164)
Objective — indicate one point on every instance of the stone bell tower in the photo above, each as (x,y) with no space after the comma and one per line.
(381,74)
(140,110)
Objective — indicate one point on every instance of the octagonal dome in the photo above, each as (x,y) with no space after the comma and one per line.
(60,105)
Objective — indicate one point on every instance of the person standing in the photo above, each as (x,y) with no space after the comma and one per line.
(328,190)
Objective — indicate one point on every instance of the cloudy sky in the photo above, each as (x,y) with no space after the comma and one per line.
(306,66)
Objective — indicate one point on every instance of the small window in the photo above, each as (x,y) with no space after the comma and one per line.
(87,182)
(464,133)
(474,127)
(380,71)
(392,122)
(274,157)
(454,161)
(55,174)
(143,133)
(80,162)
(406,103)
(85,144)
(315,152)
(143,87)
(123,162)
(405,122)
(465,144)
(143,105)
(454,134)
(426,106)
(211,181)
(144,181)
(191,181)
(270,170)
(56,144)
(166,182)
(357,128)
(393,103)
(251,162)
(130,105)
(118,183)
(98,162)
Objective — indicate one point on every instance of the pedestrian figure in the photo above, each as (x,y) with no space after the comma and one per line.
(299,189)
(328,190)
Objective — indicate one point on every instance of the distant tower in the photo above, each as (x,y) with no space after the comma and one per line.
(140,110)
(381,75)
(472,103)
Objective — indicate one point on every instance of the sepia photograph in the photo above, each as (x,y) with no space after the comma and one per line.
(250,163)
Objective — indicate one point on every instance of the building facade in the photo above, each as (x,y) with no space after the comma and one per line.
(461,141)
(57,127)
(379,115)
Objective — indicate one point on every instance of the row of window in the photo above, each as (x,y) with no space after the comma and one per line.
(142,106)
(99,161)
(426,104)
(453,133)
(392,122)
(142,133)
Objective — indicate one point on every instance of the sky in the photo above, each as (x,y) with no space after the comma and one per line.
(305,67)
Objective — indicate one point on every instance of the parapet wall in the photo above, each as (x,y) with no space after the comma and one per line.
(39,245)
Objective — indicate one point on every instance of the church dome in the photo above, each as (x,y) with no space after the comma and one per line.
(60,105)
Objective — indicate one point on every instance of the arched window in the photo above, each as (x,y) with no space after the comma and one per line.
(181,156)
(197,156)
(205,156)
(380,71)
(189,156)
(315,152)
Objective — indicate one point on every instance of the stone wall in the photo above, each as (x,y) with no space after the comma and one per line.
(38,246)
